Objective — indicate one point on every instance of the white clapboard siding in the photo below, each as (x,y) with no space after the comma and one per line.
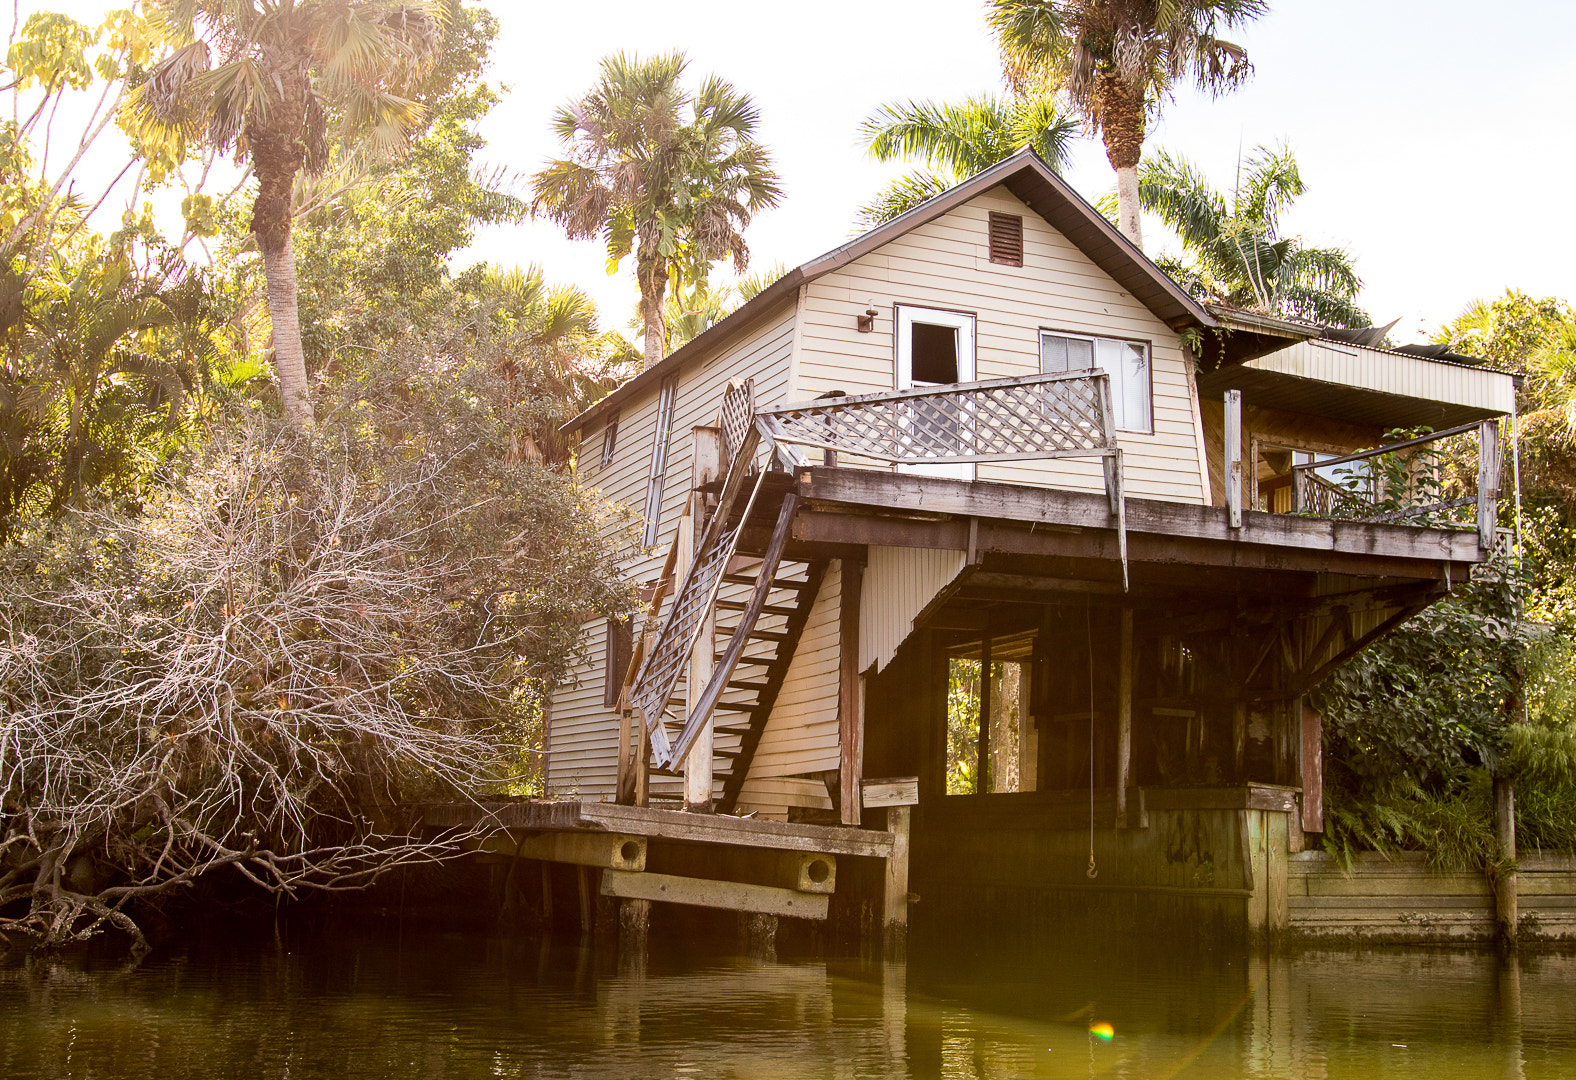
(946,264)
(898,583)
(583,735)
(771,796)
(801,734)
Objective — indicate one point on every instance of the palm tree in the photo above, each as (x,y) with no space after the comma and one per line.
(1117,59)
(653,169)
(283,83)
(955,140)
(1237,253)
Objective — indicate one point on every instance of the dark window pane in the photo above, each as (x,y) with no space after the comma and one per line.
(935,353)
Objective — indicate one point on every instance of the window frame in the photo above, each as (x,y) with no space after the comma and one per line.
(902,310)
(1083,335)
(609,440)
(656,477)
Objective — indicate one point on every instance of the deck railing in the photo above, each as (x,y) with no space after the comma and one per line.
(1060,415)
(1066,414)
(1413,481)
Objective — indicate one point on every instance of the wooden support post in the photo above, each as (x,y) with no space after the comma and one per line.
(1488,484)
(634,928)
(1312,770)
(698,764)
(1124,717)
(1506,901)
(1234,483)
(850,714)
(982,736)
(758,935)
(1239,741)
(894,897)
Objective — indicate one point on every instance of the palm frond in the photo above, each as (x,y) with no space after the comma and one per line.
(901,196)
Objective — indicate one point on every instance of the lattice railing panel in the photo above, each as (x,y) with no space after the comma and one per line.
(738,413)
(1037,416)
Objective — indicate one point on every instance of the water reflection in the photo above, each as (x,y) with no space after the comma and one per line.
(453,1007)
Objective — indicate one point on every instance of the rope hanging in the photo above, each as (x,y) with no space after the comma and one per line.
(1093,872)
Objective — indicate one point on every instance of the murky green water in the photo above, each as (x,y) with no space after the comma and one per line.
(455,1007)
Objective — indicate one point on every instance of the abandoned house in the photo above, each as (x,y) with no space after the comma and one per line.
(980,536)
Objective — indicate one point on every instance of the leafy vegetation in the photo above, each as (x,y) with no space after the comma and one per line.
(954,140)
(1117,61)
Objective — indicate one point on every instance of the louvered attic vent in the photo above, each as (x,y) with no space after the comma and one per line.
(1006,239)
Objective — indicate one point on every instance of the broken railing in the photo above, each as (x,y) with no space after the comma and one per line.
(1411,482)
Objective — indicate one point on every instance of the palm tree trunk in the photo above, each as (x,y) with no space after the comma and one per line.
(1122,128)
(653,284)
(289,359)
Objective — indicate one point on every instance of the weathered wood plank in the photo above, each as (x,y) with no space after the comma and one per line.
(897,791)
(728,895)
(536,814)
(743,832)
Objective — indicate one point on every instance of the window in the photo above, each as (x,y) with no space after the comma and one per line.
(659,460)
(936,348)
(620,649)
(1127,362)
(609,440)
(1006,239)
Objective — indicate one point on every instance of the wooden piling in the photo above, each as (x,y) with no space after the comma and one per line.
(1506,902)
(1124,717)
(894,900)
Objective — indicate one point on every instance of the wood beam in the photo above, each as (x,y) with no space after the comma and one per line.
(727,895)
(1148,553)
(1051,506)
(611,851)
(739,832)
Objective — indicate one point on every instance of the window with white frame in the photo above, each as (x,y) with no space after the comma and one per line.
(659,460)
(1127,362)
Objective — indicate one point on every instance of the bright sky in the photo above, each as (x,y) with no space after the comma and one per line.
(1435,136)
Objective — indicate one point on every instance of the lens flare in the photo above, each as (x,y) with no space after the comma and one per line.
(1102,1031)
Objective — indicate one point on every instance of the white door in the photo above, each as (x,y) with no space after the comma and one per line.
(936,348)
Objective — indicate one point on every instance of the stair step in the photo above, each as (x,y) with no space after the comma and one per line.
(777,583)
(768,635)
(769,609)
(753,687)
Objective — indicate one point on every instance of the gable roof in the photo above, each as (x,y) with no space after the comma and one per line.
(1031,180)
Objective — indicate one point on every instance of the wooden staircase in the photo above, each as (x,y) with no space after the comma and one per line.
(746,700)
(768,601)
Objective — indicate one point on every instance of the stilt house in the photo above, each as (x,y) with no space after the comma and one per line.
(981,514)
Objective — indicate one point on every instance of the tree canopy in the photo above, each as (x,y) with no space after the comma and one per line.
(653,169)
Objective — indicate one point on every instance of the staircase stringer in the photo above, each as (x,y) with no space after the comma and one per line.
(676,638)
(776,675)
(701,708)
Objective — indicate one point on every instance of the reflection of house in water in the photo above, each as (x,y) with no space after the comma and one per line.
(983,498)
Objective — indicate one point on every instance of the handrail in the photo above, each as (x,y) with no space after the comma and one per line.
(1390,448)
